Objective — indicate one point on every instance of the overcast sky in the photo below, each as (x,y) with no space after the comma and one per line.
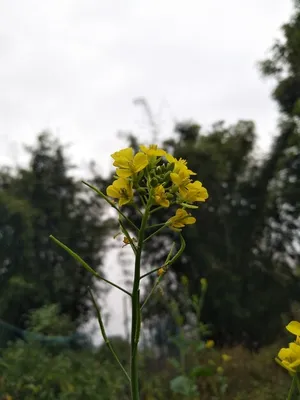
(74,67)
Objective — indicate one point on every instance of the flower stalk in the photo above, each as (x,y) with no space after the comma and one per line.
(159,181)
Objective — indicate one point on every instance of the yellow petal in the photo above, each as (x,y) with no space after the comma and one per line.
(121,162)
(123,201)
(189,220)
(120,183)
(284,353)
(295,348)
(153,150)
(294,328)
(164,203)
(112,192)
(226,357)
(284,364)
(209,344)
(294,364)
(175,178)
(124,172)
(140,161)
(170,158)
(123,154)
(144,148)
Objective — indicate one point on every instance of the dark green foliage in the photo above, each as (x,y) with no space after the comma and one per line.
(37,201)
(246,239)
(284,65)
(35,370)
(242,239)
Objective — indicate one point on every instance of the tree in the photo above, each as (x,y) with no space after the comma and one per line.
(35,202)
(246,239)
(235,242)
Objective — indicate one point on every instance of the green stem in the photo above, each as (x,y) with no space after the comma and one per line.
(292,388)
(167,263)
(151,292)
(155,233)
(85,265)
(298,381)
(156,225)
(156,209)
(126,233)
(106,340)
(150,272)
(136,318)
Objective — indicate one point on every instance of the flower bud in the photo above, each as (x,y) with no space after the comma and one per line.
(220,370)
(142,191)
(154,182)
(167,176)
(158,170)
(170,167)
(184,280)
(209,344)
(203,283)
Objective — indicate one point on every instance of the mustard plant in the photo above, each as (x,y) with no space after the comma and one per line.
(148,180)
(191,342)
(289,358)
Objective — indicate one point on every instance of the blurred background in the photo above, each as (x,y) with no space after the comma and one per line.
(216,83)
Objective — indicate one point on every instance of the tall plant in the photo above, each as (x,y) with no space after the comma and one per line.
(148,181)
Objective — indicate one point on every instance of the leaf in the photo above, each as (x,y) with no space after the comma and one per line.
(200,346)
(183,385)
(202,370)
(175,363)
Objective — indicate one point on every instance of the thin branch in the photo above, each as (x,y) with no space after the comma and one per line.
(126,233)
(106,340)
(85,265)
(149,273)
(156,209)
(151,291)
(154,233)
(155,225)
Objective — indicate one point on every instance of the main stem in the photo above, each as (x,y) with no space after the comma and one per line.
(136,320)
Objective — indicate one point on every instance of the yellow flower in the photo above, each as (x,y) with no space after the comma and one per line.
(180,219)
(194,192)
(209,344)
(179,164)
(161,272)
(121,189)
(289,358)
(181,179)
(160,196)
(226,357)
(294,328)
(126,241)
(129,164)
(220,370)
(152,150)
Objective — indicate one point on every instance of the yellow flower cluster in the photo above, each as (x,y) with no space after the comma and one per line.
(289,358)
(158,176)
